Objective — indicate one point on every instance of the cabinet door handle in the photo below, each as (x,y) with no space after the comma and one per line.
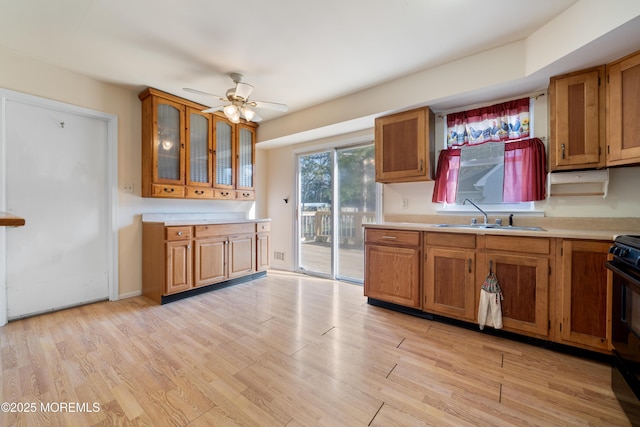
(470,263)
(562,148)
(389,237)
(421,164)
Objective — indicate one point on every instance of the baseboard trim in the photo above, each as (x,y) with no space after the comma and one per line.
(213,287)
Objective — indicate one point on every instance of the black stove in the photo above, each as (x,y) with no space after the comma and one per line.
(627,249)
(625,323)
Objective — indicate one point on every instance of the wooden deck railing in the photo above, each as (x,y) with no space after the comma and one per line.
(318,226)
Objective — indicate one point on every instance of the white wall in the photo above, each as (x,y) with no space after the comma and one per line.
(28,76)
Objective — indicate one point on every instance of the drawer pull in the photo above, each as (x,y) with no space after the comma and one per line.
(180,233)
(389,237)
(168,190)
(199,192)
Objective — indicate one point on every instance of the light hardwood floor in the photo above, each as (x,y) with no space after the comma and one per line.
(286,350)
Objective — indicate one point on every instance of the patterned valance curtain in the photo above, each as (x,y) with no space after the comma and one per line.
(507,121)
(525,173)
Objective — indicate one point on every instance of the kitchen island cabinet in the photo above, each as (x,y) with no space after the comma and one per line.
(393,266)
(449,275)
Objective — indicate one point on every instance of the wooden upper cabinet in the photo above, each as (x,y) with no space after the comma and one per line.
(163,153)
(404,146)
(577,120)
(188,153)
(623,111)
(224,153)
(200,153)
(245,161)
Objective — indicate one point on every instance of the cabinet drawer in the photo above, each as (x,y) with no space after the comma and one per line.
(245,195)
(224,229)
(393,237)
(263,226)
(167,190)
(199,193)
(224,194)
(451,240)
(177,233)
(529,245)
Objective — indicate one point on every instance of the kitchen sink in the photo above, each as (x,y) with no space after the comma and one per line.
(491,226)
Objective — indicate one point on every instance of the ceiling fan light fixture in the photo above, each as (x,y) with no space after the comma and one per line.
(230,110)
(247,112)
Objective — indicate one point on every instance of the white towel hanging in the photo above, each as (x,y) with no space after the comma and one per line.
(490,309)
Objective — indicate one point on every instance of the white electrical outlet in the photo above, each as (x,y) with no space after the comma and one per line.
(405,203)
(127,188)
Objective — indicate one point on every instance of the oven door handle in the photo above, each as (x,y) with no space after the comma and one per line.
(633,281)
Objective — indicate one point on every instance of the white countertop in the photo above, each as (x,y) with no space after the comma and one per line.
(204,218)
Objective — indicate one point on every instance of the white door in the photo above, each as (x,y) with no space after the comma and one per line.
(56,178)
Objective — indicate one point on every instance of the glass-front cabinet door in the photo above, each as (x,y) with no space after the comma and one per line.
(169,145)
(246,152)
(200,151)
(224,153)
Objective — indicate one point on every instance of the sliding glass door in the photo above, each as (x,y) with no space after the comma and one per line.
(337,193)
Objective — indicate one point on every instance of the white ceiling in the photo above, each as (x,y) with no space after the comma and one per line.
(298,52)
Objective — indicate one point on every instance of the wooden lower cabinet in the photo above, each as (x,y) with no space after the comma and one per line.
(210,261)
(241,255)
(554,289)
(262,251)
(522,267)
(449,275)
(180,258)
(584,284)
(392,266)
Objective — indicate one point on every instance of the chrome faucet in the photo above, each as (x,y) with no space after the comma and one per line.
(486,217)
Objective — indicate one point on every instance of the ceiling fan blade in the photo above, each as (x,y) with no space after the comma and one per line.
(243,90)
(199,92)
(213,109)
(269,106)
(256,118)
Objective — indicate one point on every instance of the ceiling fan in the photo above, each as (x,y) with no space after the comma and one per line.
(237,102)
